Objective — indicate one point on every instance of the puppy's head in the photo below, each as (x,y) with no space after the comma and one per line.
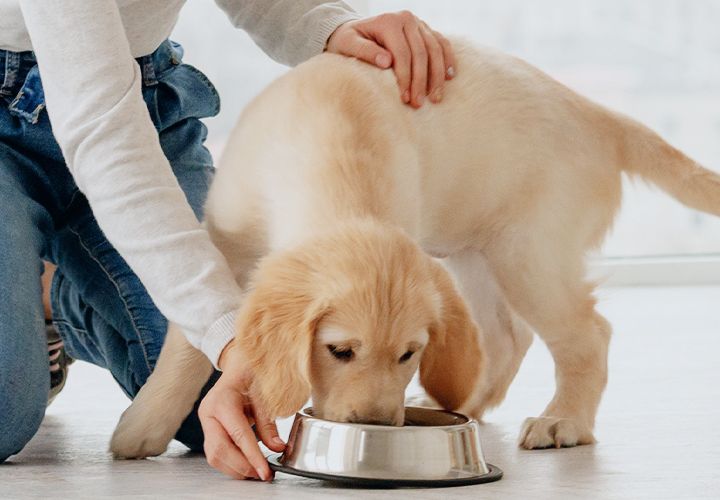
(349,318)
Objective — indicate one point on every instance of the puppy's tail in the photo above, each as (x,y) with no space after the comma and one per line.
(644,153)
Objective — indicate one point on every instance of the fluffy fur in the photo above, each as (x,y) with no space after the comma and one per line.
(338,195)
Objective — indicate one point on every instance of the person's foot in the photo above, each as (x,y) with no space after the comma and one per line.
(58,358)
(59,361)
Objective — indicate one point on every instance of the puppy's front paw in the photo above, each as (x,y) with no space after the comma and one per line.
(553,432)
(140,434)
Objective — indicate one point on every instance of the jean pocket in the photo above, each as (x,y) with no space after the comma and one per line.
(185,92)
(30,100)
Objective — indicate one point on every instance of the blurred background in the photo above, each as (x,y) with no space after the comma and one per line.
(656,60)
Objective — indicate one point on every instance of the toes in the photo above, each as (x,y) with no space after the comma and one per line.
(549,432)
(537,433)
(124,447)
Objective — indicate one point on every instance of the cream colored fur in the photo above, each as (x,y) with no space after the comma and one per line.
(511,180)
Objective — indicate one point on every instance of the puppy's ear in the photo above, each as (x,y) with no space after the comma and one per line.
(275,330)
(452,362)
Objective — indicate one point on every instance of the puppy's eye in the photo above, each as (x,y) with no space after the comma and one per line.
(405,357)
(341,353)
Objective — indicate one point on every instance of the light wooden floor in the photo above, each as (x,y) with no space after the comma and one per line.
(658,426)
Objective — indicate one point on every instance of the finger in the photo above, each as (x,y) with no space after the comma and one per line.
(436,65)
(268,432)
(222,454)
(394,41)
(448,55)
(238,428)
(419,64)
(368,51)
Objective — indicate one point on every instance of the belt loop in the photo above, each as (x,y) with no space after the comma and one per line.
(147,67)
(12,68)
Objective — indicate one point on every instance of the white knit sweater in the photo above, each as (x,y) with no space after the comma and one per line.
(85,51)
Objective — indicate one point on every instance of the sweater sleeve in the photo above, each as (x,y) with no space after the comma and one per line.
(289,31)
(93,95)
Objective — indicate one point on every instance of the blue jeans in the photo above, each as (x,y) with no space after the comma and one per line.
(100,307)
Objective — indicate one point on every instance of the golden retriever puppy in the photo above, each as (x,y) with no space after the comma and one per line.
(333,196)
(348,316)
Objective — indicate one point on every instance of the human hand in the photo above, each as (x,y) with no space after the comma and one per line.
(227,414)
(422,59)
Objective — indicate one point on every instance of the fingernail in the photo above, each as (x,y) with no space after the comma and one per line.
(421,100)
(451,72)
(406,96)
(278,441)
(437,95)
(263,475)
(382,60)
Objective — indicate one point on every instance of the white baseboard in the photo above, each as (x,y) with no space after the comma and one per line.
(657,271)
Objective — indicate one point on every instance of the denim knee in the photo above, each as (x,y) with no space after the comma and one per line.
(24,369)
(18,426)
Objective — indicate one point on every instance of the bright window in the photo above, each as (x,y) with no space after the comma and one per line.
(655,60)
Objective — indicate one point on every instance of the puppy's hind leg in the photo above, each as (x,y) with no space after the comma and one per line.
(547,286)
(167,398)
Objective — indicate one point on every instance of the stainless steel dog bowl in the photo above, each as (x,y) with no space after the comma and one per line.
(433,448)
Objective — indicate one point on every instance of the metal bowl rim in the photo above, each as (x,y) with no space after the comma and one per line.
(303,413)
